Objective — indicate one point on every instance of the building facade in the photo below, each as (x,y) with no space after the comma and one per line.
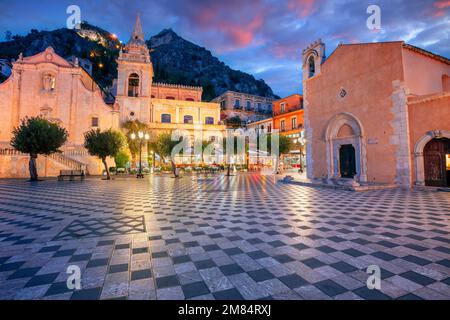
(288,120)
(63,92)
(265,125)
(232,100)
(377,113)
(164,107)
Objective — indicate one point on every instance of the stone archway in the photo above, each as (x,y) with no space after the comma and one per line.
(418,153)
(345,130)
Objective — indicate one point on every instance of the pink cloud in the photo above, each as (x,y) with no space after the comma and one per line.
(440,7)
(303,8)
(236,22)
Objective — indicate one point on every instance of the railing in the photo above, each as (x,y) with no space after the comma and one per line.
(11,152)
(73,164)
(75,153)
(61,158)
(288,110)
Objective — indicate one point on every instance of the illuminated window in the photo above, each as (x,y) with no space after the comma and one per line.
(133,85)
(209,120)
(188,119)
(166,118)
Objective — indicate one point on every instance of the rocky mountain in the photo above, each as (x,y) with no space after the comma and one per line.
(92,43)
(175,59)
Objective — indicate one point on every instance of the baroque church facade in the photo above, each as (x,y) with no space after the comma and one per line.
(377,114)
(46,84)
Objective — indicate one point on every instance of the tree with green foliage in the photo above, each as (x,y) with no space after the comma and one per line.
(134,126)
(103,145)
(235,121)
(164,146)
(35,136)
(121,159)
(284,146)
(209,91)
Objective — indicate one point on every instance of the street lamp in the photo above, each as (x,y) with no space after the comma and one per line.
(142,137)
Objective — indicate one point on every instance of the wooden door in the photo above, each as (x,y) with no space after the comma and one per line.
(434,155)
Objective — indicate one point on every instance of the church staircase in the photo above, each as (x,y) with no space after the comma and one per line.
(57,157)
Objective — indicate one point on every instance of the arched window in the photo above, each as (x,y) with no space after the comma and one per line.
(166,118)
(311,66)
(188,119)
(209,120)
(133,85)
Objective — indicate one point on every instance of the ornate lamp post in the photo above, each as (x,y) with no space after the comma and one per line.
(142,137)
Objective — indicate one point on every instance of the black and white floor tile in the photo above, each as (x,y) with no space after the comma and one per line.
(242,237)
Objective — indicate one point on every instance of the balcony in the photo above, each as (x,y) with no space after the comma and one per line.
(287,110)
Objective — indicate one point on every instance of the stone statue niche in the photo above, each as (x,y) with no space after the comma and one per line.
(49,81)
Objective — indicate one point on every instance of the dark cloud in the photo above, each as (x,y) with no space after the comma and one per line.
(263,37)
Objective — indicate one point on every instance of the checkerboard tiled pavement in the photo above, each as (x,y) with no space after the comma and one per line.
(244,237)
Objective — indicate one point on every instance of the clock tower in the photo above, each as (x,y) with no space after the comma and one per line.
(135,77)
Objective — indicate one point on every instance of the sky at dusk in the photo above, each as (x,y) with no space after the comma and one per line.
(261,37)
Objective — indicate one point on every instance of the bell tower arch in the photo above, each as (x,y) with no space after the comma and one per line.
(313,56)
(135,77)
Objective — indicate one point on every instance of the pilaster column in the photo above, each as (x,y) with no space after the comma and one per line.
(419,164)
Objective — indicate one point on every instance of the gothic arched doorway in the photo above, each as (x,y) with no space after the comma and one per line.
(346,149)
(436,157)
